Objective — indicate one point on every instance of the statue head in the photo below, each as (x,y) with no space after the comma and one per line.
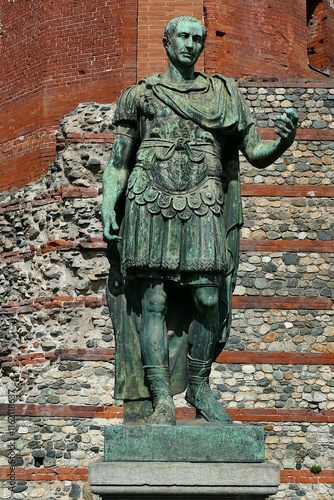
(183,40)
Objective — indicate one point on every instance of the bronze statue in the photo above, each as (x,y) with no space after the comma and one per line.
(172,215)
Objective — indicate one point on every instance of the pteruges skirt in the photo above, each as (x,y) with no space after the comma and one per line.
(178,245)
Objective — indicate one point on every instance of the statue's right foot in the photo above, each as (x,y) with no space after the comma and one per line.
(164,412)
(159,382)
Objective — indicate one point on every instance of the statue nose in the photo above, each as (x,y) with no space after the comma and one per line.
(189,43)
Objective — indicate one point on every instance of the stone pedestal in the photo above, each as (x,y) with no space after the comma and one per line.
(211,461)
(175,480)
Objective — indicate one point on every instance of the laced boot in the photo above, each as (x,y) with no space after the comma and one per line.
(159,383)
(200,395)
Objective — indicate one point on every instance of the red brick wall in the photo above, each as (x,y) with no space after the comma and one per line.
(55,55)
(46,44)
(317,29)
(330,34)
(22,45)
(256,39)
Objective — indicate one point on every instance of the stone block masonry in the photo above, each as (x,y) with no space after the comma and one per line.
(57,341)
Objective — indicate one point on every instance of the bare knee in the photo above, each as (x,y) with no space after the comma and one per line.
(206,299)
(154,300)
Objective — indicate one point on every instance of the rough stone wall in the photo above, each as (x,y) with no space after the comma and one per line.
(57,341)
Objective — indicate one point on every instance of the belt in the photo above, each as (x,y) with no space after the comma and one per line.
(195,150)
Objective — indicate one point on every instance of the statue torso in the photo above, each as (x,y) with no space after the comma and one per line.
(178,164)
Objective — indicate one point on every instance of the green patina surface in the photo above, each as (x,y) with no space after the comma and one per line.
(184,443)
(172,215)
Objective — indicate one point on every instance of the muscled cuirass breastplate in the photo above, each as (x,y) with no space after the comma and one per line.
(178,165)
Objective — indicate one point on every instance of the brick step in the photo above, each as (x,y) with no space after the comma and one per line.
(265,415)
(226,357)
(238,302)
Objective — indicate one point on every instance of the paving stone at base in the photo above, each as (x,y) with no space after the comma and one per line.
(163,480)
(184,443)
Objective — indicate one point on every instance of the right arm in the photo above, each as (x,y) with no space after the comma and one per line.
(115,179)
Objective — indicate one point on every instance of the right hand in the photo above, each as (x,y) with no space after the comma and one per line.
(109,222)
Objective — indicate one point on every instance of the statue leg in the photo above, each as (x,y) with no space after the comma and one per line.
(203,337)
(154,348)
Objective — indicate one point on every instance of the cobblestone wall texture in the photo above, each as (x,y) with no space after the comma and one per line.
(57,339)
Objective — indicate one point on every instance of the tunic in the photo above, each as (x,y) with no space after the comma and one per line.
(182,214)
(176,191)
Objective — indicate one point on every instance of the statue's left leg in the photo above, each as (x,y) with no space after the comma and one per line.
(203,337)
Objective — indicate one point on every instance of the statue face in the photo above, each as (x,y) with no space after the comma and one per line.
(186,44)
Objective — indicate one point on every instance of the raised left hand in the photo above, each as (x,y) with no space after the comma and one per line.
(286,126)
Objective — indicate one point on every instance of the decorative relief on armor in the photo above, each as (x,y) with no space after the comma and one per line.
(199,200)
